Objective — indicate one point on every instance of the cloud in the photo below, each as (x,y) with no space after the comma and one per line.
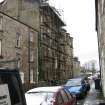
(80,19)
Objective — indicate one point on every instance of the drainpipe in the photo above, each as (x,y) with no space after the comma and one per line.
(29,54)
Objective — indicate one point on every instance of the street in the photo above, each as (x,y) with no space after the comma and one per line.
(93,97)
(52,52)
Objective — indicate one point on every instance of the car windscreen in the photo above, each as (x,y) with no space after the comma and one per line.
(11,82)
(73,82)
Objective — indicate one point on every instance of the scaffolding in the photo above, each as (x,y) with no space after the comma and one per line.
(52,57)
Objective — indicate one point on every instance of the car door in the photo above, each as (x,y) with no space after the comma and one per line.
(83,83)
(11,91)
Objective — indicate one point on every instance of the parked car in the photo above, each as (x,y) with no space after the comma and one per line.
(11,91)
(77,87)
(55,95)
(90,77)
(85,78)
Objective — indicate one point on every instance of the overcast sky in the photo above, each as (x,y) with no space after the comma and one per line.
(79,16)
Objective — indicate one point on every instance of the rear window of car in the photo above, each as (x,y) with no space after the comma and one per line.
(73,82)
(59,99)
(10,81)
(68,94)
(64,96)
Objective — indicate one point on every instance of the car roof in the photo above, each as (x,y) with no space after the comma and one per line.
(75,79)
(45,89)
(79,77)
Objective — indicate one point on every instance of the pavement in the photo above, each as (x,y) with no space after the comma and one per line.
(94,97)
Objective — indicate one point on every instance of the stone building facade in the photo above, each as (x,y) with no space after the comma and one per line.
(100,27)
(76,67)
(54,41)
(18,46)
(32,39)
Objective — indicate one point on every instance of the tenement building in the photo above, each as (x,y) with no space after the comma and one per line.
(76,67)
(33,41)
(100,27)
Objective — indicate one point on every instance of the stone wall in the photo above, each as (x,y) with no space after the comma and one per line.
(11,53)
(26,11)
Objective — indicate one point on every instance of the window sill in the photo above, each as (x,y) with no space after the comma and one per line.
(17,47)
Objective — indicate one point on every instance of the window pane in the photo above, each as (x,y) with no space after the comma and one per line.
(22,76)
(64,96)
(18,39)
(31,36)
(41,19)
(0,48)
(31,76)
(59,99)
(68,94)
(18,63)
(31,55)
